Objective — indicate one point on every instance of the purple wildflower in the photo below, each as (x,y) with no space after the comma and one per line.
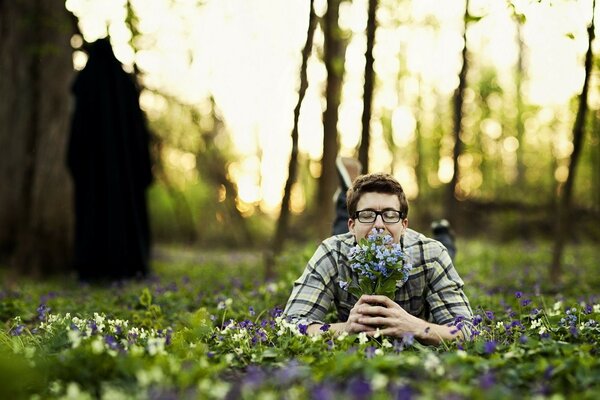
(359,388)
(408,339)
(487,380)
(43,311)
(111,342)
(17,330)
(276,312)
(405,392)
(302,328)
(370,351)
(324,327)
(489,347)
(518,294)
(523,339)
(322,392)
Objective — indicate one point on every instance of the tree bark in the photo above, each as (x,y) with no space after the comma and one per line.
(520,126)
(282,223)
(565,195)
(363,151)
(36,212)
(458,103)
(334,50)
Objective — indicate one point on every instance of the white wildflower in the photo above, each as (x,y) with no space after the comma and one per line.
(156,345)
(379,381)
(74,392)
(362,338)
(97,346)
(433,363)
(74,337)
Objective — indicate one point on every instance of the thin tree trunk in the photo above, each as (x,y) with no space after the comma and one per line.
(595,164)
(363,151)
(284,215)
(565,195)
(36,198)
(520,126)
(419,157)
(458,103)
(334,49)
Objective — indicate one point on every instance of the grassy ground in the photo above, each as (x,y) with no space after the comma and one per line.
(206,325)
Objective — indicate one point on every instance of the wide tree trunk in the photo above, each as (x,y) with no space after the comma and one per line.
(365,138)
(36,70)
(334,53)
(566,192)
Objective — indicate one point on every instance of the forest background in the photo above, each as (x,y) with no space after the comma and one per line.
(486,111)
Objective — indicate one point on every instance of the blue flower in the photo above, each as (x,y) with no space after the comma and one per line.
(489,347)
(17,330)
(302,328)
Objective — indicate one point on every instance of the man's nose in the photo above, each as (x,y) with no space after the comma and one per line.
(379,222)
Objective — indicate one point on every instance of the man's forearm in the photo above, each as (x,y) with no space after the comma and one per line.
(430,333)
(315,329)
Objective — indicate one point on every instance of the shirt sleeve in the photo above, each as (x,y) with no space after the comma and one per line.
(445,296)
(312,293)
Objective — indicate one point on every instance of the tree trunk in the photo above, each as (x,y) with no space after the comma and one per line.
(334,49)
(363,151)
(284,215)
(595,164)
(565,195)
(458,103)
(520,126)
(36,211)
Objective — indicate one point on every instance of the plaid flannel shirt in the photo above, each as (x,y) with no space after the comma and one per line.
(433,291)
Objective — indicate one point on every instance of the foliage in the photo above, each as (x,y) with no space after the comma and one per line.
(212,330)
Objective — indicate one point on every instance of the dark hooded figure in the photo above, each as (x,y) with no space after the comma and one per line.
(109,160)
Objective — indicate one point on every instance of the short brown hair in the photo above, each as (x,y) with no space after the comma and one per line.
(375,183)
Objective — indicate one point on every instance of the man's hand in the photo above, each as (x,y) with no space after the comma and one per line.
(379,315)
(356,322)
(392,320)
(382,312)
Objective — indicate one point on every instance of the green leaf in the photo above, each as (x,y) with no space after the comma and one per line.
(145,298)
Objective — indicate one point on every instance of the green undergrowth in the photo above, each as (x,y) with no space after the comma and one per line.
(212,328)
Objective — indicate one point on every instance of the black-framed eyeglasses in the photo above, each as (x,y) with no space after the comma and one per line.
(369,216)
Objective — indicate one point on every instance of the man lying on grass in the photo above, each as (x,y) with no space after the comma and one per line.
(429,302)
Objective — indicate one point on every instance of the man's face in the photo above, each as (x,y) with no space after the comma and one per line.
(377,202)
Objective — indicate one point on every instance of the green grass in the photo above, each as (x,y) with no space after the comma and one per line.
(205,326)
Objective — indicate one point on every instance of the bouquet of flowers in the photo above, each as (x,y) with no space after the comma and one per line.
(380,264)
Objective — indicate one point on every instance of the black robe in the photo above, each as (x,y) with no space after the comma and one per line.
(109,161)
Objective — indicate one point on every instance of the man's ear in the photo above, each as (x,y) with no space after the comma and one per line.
(405,223)
(351,225)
